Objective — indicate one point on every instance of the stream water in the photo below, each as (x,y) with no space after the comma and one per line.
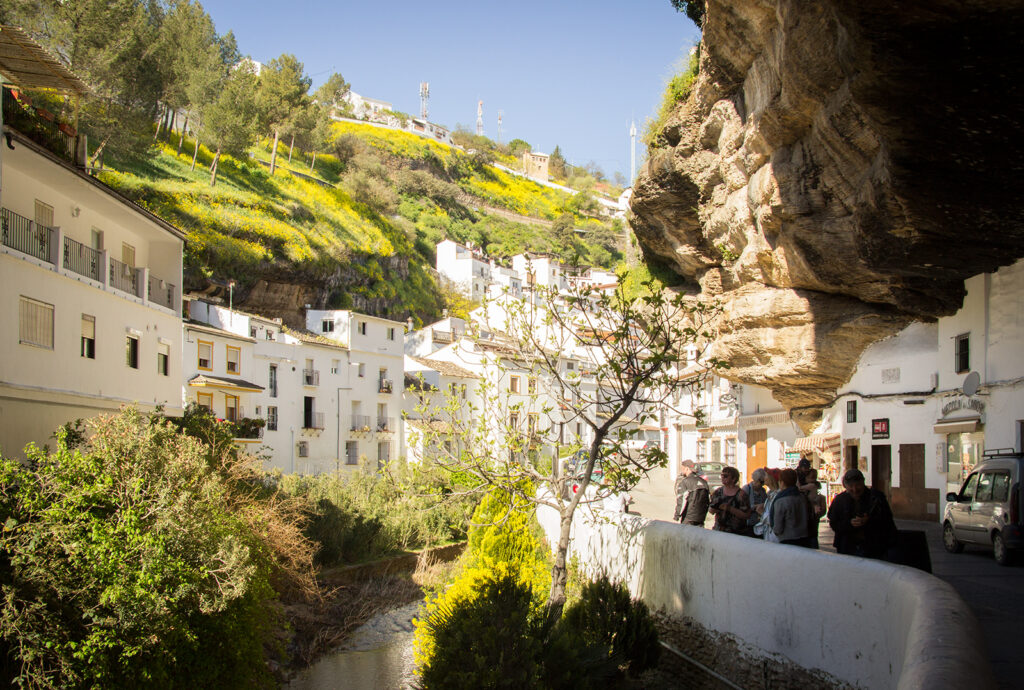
(378,656)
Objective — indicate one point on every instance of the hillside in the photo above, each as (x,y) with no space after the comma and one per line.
(355,228)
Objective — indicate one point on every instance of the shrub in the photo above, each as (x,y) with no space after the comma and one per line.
(676,91)
(132,562)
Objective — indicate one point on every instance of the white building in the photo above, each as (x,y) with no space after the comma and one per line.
(465,267)
(372,406)
(366,107)
(923,406)
(540,270)
(432,338)
(90,283)
(429,385)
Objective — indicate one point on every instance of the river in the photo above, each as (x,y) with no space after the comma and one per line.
(378,656)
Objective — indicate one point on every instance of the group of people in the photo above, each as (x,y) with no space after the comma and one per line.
(786,505)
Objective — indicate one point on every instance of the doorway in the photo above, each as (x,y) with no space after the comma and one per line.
(911,500)
(757,450)
(881,469)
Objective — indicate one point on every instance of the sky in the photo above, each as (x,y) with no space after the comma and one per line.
(566,73)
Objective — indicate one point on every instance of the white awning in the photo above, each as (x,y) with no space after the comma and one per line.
(820,443)
(956,426)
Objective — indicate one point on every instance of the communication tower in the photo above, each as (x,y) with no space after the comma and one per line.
(499,126)
(480,118)
(424,97)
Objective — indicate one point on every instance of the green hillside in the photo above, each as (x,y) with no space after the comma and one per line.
(358,225)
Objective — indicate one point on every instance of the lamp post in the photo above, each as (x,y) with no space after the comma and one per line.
(231,301)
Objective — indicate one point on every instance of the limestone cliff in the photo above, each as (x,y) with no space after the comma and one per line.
(839,168)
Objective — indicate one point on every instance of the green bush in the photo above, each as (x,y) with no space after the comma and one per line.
(131,562)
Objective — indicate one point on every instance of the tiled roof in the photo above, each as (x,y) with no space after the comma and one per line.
(207,381)
(446,368)
(213,330)
(313,338)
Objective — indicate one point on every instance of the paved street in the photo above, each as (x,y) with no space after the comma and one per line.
(995,593)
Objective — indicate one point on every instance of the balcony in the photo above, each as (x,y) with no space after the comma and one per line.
(386,424)
(42,127)
(384,386)
(360,422)
(39,241)
(310,377)
(247,429)
(313,420)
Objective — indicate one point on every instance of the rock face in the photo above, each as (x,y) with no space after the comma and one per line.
(838,170)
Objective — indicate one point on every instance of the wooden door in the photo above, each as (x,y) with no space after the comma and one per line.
(757,450)
(881,469)
(911,500)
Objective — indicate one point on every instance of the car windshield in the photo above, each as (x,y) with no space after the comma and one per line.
(711,467)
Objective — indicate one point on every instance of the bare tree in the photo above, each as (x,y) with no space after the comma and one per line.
(565,378)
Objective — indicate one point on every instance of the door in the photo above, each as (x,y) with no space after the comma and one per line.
(850,454)
(881,470)
(757,450)
(960,512)
(911,500)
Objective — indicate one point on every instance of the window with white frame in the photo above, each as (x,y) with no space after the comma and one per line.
(271,418)
(131,357)
(335,365)
(234,360)
(963,353)
(513,384)
(362,328)
(163,359)
(205,358)
(327,326)
(35,323)
(88,336)
(351,452)
(44,214)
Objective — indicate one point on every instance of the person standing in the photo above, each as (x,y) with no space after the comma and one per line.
(729,503)
(861,519)
(763,528)
(789,512)
(692,494)
(757,494)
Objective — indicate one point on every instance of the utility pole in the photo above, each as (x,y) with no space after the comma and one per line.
(499,126)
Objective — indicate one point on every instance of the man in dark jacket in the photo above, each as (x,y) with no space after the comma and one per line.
(861,519)
(692,496)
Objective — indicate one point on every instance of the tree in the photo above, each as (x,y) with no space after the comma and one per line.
(563,231)
(579,359)
(694,9)
(229,122)
(556,164)
(332,91)
(517,147)
(281,96)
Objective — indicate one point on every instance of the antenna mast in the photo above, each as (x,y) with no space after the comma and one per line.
(499,126)
(424,97)
(480,118)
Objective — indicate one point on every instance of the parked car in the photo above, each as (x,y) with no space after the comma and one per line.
(987,509)
(618,501)
(711,472)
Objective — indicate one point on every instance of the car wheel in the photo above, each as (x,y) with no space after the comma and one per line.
(949,540)
(1002,554)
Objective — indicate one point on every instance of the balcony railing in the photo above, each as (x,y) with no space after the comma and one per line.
(385,386)
(41,127)
(310,377)
(360,422)
(386,424)
(161,292)
(125,278)
(25,235)
(313,420)
(83,260)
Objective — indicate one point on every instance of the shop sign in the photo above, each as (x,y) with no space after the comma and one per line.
(963,404)
(880,428)
(792,457)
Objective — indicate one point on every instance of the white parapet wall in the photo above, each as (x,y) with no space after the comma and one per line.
(868,623)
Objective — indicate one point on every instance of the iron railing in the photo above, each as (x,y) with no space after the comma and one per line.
(124,277)
(313,420)
(42,127)
(161,292)
(360,422)
(83,260)
(311,377)
(385,424)
(25,235)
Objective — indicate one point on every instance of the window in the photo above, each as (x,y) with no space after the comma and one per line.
(234,360)
(531,385)
(851,411)
(131,357)
(532,423)
(252,331)
(362,370)
(383,452)
(963,353)
(163,359)
(303,449)
(35,323)
(88,336)
(335,365)
(513,384)
(271,418)
(716,450)
(1000,487)
(231,412)
(44,214)
(205,356)
(730,452)
(327,326)
(96,239)
(967,493)
(391,333)
(985,487)
(273,381)
(127,254)
(351,452)
(513,420)
(270,334)
(701,451)
(362,328)
(205,400)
